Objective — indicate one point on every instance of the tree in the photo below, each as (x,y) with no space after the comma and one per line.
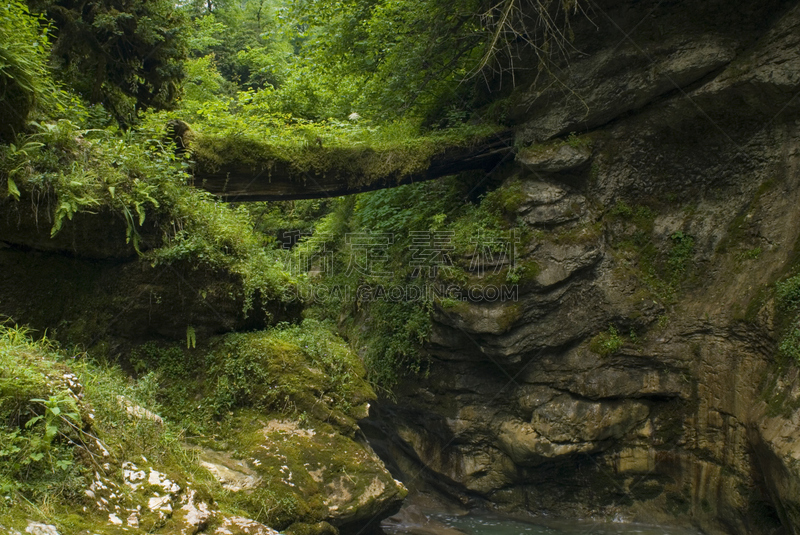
(126,54)
(248,44)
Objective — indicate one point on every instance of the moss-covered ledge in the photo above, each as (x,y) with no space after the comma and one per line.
(244,169)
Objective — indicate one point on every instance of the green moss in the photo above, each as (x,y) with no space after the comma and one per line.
(302,466)
(358,157)
(664,269)
(523,272)
(319,528)
(580,234)
(507,199)
(301,369)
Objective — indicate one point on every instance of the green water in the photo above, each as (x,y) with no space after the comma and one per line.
(488,525)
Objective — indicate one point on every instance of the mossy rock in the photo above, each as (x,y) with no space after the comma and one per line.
(309,474)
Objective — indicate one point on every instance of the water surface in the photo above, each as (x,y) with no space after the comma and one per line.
(482,524)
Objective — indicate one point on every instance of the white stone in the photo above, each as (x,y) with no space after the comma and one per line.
(133,519)
(37,528)
(195,515)
(159,503)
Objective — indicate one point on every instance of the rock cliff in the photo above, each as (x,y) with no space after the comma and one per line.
(636,376)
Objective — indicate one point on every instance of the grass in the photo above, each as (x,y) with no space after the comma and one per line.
(62,422)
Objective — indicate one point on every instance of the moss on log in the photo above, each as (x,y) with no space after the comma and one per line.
(242,169)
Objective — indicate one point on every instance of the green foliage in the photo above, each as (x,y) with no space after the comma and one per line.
(789,347)
(191,338)
(368,44)
(787,293)
(24,77)
(203,84)
(136,177)
(17,158)
(577,142)
(392,331)
(393,341)
(126,54)
(680,255)
(39,422)
(170,361)
(249,43)
(382,59)
(787,297)
(285,369)
(63,420)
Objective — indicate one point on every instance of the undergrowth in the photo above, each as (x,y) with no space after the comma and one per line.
(787,294)
(63,170)
(65,420)
(607,343)
(286,369)
(62,419)
(387,259)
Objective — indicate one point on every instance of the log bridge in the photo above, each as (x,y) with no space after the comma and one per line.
(244,170)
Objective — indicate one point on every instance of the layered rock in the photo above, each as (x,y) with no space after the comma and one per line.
(626,380)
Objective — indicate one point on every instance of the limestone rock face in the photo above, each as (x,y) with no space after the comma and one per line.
(555,157)
(774,433)
(626,378)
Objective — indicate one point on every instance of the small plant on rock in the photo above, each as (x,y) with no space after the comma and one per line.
(607,343)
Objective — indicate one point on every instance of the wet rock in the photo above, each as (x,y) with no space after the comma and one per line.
(777,450)
(693,125)
(565,426)
(527,447)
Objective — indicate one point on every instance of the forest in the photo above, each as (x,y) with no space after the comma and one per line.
(90,95)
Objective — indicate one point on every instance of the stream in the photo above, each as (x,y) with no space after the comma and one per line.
(487,524)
